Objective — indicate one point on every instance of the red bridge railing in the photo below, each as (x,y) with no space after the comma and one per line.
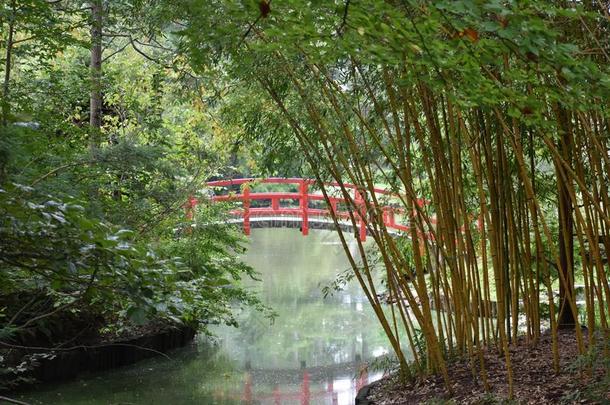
(304,197)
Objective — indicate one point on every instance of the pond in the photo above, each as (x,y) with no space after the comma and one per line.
(312,354)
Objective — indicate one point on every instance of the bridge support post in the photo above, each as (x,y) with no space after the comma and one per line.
(247,396)
(304,187)
(391,218)
(246,204)
(305,391)
(333,207)
(189,208)
(277,397)
(361,209)
(422,243)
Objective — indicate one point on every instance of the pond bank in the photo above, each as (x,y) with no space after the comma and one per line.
(63,364)
(535,381)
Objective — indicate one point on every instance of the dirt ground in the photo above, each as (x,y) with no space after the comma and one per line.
(535,381)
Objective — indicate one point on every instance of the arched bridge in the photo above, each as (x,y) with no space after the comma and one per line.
(306,209)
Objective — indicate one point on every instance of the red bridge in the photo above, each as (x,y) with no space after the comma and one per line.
(310,208)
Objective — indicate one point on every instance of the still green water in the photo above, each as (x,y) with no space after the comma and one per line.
(311,354)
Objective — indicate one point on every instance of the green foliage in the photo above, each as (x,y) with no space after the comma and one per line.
(31,33)
(339,283)
(595,364)
(450,47)
(387,364)
(51,245)
(13,376)
(102,233)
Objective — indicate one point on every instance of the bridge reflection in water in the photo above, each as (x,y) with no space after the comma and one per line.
(318,386)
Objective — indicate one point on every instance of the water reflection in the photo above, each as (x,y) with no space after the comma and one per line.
(314,353)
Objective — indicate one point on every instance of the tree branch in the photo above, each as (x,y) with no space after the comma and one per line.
(150,58)
(115,52)
(44,176)
(67,349)
(12,401)
(341,27)
(18,41)
(251,26)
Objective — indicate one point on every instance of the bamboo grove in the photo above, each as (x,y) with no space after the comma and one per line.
(495,114)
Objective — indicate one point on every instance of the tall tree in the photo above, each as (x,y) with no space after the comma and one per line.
(566,220)
(95,100)
(8,59)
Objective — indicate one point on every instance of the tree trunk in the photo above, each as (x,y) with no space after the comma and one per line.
(566,225)
(6,106)
(95,101)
